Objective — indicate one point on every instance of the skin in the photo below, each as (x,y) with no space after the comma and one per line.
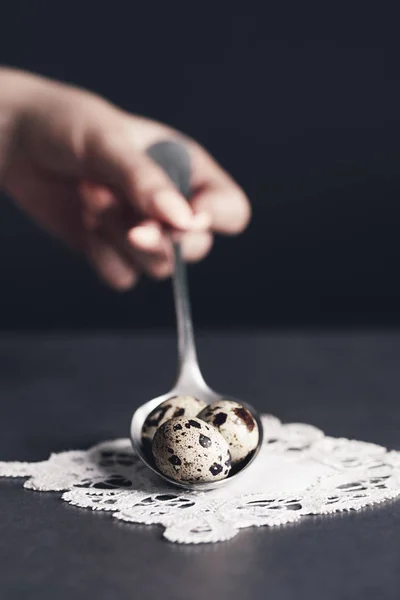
(77,165)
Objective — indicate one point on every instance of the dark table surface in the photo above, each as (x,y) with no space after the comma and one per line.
(68,392)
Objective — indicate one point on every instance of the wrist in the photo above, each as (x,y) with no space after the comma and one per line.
(7,120)
(16,91)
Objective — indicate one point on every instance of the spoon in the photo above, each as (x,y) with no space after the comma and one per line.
(174,158)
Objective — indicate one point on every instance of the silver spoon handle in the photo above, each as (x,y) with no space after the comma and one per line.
(186,343)
(174,159)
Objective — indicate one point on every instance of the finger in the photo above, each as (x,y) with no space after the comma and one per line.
(158,261)
(229,211)
(96,198)
(217,194)
(147,236)
(145,245)
(156,266)
(144,184)
(104,215)
(110,265)
(201,221)
(155,261)
(195,246)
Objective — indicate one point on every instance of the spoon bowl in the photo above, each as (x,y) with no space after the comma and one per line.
(144,452)
(174,158)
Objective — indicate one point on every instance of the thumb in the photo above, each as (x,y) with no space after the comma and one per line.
(140,181)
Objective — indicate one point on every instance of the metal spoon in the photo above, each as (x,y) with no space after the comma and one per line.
(174,158)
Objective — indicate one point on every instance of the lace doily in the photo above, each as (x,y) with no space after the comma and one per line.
(299,472)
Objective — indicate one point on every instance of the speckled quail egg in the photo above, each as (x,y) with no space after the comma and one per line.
(176,406)
(190,450)
(237,425)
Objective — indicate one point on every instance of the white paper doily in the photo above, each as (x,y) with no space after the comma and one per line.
(299,472)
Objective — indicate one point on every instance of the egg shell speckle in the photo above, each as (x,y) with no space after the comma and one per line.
(191,450)
(236,424)
(176,406)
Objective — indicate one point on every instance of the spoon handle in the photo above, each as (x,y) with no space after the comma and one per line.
(174,159)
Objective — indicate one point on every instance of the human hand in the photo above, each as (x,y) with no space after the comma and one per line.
(78,166)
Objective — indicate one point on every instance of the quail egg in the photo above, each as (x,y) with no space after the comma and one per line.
(237,425)
(190,450)
(177,406)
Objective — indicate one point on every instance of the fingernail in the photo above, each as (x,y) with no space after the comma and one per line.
(200,221)
(109,266)
(174,209)
(124,282)
(146,236)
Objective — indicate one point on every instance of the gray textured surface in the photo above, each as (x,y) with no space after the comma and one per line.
(66,393)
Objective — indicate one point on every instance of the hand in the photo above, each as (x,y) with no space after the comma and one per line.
(78,166)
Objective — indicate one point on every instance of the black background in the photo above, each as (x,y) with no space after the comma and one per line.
(299,103)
